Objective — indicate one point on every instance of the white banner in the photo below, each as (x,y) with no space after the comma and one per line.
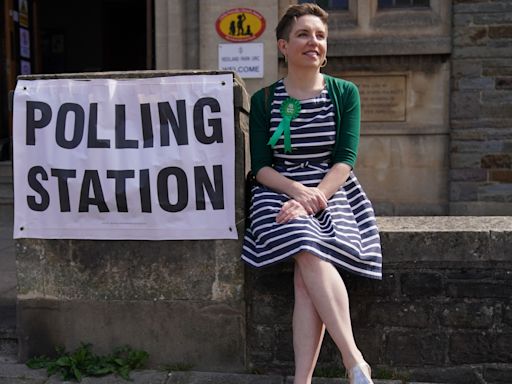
(148,159)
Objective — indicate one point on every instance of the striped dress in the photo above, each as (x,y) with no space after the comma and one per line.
(345,233)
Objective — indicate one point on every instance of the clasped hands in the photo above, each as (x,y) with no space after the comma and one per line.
(305,201)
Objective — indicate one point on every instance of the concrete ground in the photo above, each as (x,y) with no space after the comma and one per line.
(19,373)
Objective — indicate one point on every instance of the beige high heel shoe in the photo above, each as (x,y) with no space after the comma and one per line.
(360,374)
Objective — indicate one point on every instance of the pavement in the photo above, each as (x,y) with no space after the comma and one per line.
(14,373)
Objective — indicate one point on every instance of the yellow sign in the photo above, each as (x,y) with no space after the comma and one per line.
(23,13)
(240,24)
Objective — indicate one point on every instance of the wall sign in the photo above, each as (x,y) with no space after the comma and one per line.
(383,98)
(246,59)
(148,159)
(240,25)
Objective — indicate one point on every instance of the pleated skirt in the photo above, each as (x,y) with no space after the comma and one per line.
(345,233)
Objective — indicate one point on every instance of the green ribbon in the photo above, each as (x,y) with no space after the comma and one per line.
(290,109)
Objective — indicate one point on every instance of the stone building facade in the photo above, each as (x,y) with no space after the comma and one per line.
(481,109)
(435,79)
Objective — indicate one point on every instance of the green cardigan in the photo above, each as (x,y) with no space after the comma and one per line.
(345,97)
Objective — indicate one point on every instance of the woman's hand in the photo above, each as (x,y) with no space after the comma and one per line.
(290,210)
(312,199)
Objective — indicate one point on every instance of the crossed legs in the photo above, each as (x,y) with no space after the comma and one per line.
(321,301)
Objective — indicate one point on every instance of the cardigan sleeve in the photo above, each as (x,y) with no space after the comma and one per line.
(349,110)
(261,153)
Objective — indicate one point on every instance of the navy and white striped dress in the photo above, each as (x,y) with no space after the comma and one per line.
(345,233)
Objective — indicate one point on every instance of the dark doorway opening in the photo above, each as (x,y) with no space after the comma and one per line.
(95,35)
(73,36)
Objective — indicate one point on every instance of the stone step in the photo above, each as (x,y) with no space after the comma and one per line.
(19,373)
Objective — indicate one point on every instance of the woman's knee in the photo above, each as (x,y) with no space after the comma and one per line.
(307,260)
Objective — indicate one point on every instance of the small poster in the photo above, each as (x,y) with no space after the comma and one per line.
(23,13)
(24,43)
(26,68)
(246,59)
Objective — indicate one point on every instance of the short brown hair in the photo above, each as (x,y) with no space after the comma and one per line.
(293,13)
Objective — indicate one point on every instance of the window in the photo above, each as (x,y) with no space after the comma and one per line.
(403,3)
(329,4)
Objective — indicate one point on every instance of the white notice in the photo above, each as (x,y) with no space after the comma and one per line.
(246,59)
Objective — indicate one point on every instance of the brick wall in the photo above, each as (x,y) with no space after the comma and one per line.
(481,108)
(442,313)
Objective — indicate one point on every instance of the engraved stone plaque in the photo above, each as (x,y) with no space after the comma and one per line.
(382,97)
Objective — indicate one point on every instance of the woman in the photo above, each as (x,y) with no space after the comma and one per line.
(307,204)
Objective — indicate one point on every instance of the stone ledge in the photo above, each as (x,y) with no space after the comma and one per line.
(446,238)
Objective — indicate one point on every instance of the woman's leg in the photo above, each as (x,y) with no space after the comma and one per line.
(308,332)
(329,296)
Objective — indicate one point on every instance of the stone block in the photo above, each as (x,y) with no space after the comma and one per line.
(412,348)
(501,134)
(498,374)
(470,36)
(462,20)
(479,348)
(136,377)
(507,314)
(463,191)
(480,208)
(495,192)
(497,97)
(482,7)
(392,314)
(481,51)
(497,71)
(503,176)
(15,373)
(361,289)
(450,375)
(468,315)
(496,110)
(422,284)
(464,104)
(370,342)
(207,335)
(221,378)
(127,270)
(475,83)
(477,146)
(491,18)
(479,289)
(468,134)
(500,31)
(504,82)
(284,344)
(497,160)
(468,174)
(271,309)
(466,69)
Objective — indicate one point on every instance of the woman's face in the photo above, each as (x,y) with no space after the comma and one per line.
(307,43)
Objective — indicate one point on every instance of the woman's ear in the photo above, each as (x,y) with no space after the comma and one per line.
(282,45)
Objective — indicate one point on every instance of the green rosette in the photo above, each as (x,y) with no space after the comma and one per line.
(290,109)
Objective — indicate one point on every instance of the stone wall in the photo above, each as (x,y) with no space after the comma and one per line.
(481,113)
(442,313)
